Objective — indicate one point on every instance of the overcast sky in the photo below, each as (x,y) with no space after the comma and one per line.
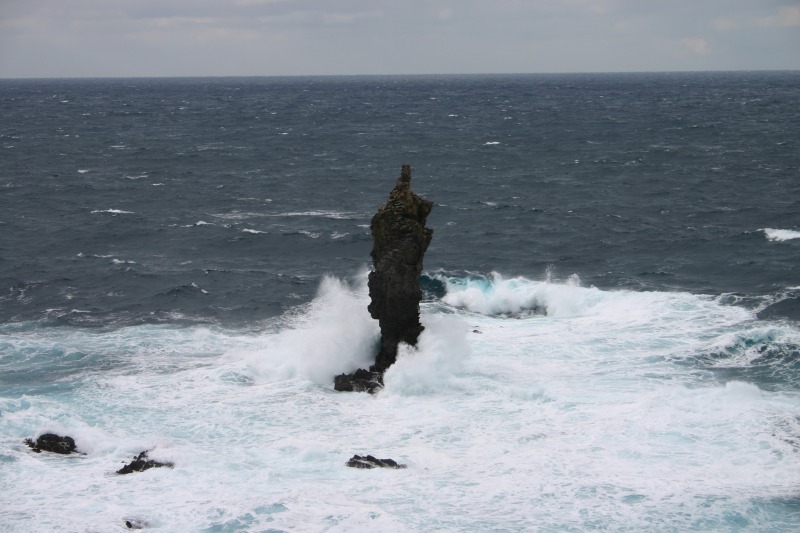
(78,38)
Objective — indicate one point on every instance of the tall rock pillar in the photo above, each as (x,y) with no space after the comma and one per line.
(399,242)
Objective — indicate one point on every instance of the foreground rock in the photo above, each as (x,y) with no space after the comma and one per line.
(399,242)
(368,461)
(50,442)
(141,463)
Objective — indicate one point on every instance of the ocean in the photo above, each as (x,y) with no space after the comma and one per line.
(611,303)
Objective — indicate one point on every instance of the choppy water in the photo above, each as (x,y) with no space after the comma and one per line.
(611,303)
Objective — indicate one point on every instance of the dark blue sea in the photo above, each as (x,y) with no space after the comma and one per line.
(611,302)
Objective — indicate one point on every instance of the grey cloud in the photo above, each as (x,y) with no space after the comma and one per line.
(263,37)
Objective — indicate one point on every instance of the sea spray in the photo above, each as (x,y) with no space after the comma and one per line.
(435,363)
(334,333)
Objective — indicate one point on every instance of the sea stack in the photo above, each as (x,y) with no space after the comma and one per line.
(399,242)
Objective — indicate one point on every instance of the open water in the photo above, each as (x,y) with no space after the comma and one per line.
(611,303)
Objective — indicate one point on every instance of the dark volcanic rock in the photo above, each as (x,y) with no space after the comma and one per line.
(50,442)
(368,461)
(141,463)
(399,242)
(359,381)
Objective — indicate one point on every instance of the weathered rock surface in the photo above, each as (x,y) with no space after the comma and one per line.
(368,461)
(399,242)
(50,442)
(141,463)
(359,381)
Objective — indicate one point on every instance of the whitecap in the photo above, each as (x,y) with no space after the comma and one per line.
(491,143)
(495,295)
(781,234)
(83,170)
(335,215)
(248,230)
(113,211)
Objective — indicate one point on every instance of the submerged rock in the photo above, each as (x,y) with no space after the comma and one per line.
(368,461)
(141,463)
(135,523)
(399,242)
(50,442)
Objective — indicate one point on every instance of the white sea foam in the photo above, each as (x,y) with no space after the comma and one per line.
(336,215)
(781,234)
(113,211)
(588,418)
(250,230)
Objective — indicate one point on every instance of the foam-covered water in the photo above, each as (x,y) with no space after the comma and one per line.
(611,303)
(602,413)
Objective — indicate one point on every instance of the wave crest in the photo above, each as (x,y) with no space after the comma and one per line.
(779,235)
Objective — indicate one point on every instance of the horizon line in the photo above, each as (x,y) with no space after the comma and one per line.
(415,75)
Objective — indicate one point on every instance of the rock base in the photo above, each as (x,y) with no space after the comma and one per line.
(359,381)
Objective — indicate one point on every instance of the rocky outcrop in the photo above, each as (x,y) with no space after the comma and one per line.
(50,442)
(368,461)
(399,242)
(141,463)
